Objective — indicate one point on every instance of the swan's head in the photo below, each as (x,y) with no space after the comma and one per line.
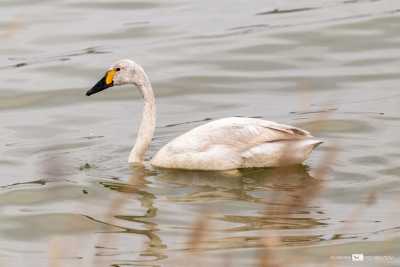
(122,72)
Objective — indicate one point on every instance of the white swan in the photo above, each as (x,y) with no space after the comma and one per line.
(224,144)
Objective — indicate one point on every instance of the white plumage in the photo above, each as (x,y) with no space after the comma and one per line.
(223,144)
(236,142)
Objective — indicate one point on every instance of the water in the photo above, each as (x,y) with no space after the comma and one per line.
(328,66)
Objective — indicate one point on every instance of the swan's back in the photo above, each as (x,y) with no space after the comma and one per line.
(236,142)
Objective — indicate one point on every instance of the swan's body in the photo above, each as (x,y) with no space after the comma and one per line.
(224,144)
(236,142)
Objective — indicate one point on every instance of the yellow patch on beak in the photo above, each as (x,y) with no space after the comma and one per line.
(110,76)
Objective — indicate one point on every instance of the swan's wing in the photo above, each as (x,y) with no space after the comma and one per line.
(236,133)
(244,133)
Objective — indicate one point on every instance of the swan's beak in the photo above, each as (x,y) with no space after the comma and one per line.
(104,83)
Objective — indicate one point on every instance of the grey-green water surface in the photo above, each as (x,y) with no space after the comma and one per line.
(328,66)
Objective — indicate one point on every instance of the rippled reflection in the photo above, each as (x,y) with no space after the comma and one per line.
(269,188)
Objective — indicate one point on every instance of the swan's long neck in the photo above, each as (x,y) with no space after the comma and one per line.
(147,125)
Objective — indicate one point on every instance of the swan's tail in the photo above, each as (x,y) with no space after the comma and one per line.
(308,145)
(280,153)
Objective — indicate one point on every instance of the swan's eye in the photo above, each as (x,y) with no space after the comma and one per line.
(117,69)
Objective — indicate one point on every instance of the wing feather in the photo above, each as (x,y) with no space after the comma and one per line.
(240,133)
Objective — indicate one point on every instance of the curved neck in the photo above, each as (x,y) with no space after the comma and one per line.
(147,125)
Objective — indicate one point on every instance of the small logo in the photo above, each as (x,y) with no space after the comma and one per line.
(357,257)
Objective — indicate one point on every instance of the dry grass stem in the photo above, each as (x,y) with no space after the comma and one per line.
(267,257)
(12,28)
(54,252)
(199,231)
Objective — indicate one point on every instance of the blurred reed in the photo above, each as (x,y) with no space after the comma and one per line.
(12,28)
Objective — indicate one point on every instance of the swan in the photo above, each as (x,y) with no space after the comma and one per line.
(223,144)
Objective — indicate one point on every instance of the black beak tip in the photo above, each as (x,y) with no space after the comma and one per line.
(99,86)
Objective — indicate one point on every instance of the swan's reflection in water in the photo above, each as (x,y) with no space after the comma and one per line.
(136,186)
(272,199)
(252,185)
(245,202)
